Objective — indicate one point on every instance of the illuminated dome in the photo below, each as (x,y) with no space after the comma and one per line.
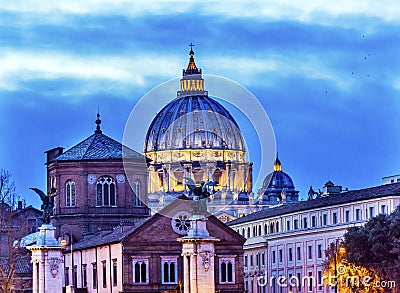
(195,136)
(193,122)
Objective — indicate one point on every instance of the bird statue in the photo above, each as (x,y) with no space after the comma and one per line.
(200,193)
(47,202)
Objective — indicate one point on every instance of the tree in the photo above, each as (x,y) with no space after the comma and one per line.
(376,245)
(348,276)
(11,233)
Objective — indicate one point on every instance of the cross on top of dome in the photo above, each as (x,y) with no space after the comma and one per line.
(191,68)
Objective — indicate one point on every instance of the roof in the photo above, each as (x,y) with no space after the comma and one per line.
(98,147)
(115,236)
(331,200)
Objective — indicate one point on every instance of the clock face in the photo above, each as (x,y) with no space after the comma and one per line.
(181,222)
(120,178)
(91,178)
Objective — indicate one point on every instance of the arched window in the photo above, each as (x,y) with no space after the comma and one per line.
(70,199)
(277,227)
(248,232)
(138,202)
(254,231)
(265,229)
(227,270)
(271,228)
(259,230)
(105,194)
(243,234)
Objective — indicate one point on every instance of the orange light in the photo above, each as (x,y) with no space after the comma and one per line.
(342,250)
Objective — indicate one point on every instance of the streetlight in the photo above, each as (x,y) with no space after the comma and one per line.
(64,243)
(340,250)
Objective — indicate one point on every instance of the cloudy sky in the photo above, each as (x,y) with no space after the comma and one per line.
(326,72)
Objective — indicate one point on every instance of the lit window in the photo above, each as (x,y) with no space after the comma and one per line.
(105,195)
(169,266)
(227,270)
(70,193)
(140,271)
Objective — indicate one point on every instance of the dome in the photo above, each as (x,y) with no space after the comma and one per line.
(278,186)
(193,122)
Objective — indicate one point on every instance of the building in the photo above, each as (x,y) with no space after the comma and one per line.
(290,240)
(149,257)
(391,179)
(96,193)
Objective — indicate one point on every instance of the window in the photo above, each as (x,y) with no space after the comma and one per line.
(371,212)
(304,223)
(245,261)
(70,193)
(287,225)
(75,276)
(94,275)
(263,259)
(140,271)
(84,276)
(290,254)
(296,224)
(319,273)
(280,255)
(271,228)
(105,195)
(310,252)
(277,227)
(227,269)
(273,257)
(66,276)
(347,216)
(169,272)
(334,218)
(313,221)
(254,231)
(138,202)
(358,214)
(248,232)
(383,209)
(298,253)
(104,270)
(299,281)
(251,260)
(319,251)
(265,229)
(324,219)
(310,281)
(243,233)
(257,260)
(259,230)
(115,272)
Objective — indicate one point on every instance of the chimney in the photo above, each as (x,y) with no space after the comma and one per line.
(51,154)
(20,205)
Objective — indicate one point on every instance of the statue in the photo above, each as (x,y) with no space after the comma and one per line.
(47,202)
(312,192)
(200,194)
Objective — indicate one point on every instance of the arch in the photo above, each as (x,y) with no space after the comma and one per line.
(70,193)
(137,193)
(106,191)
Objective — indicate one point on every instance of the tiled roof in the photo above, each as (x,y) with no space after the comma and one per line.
(98,147)
(113,237)
(331,200)
(22,264)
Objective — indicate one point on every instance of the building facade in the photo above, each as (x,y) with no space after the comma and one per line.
(290,240)
(149,257)
(95,193)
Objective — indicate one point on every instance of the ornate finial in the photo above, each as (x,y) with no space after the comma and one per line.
(98,122)
(277,164)
(191,53)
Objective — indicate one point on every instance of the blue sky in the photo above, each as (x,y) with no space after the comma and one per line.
(326,72)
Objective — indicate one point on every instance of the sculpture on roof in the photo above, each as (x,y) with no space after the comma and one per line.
(200,195)
(312,192)
(47,202)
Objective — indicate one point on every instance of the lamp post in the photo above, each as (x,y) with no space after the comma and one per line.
(340,250)
(64,243)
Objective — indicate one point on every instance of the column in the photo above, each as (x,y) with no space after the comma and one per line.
(193,273)
(186,274)
(35,280)
(42,276)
